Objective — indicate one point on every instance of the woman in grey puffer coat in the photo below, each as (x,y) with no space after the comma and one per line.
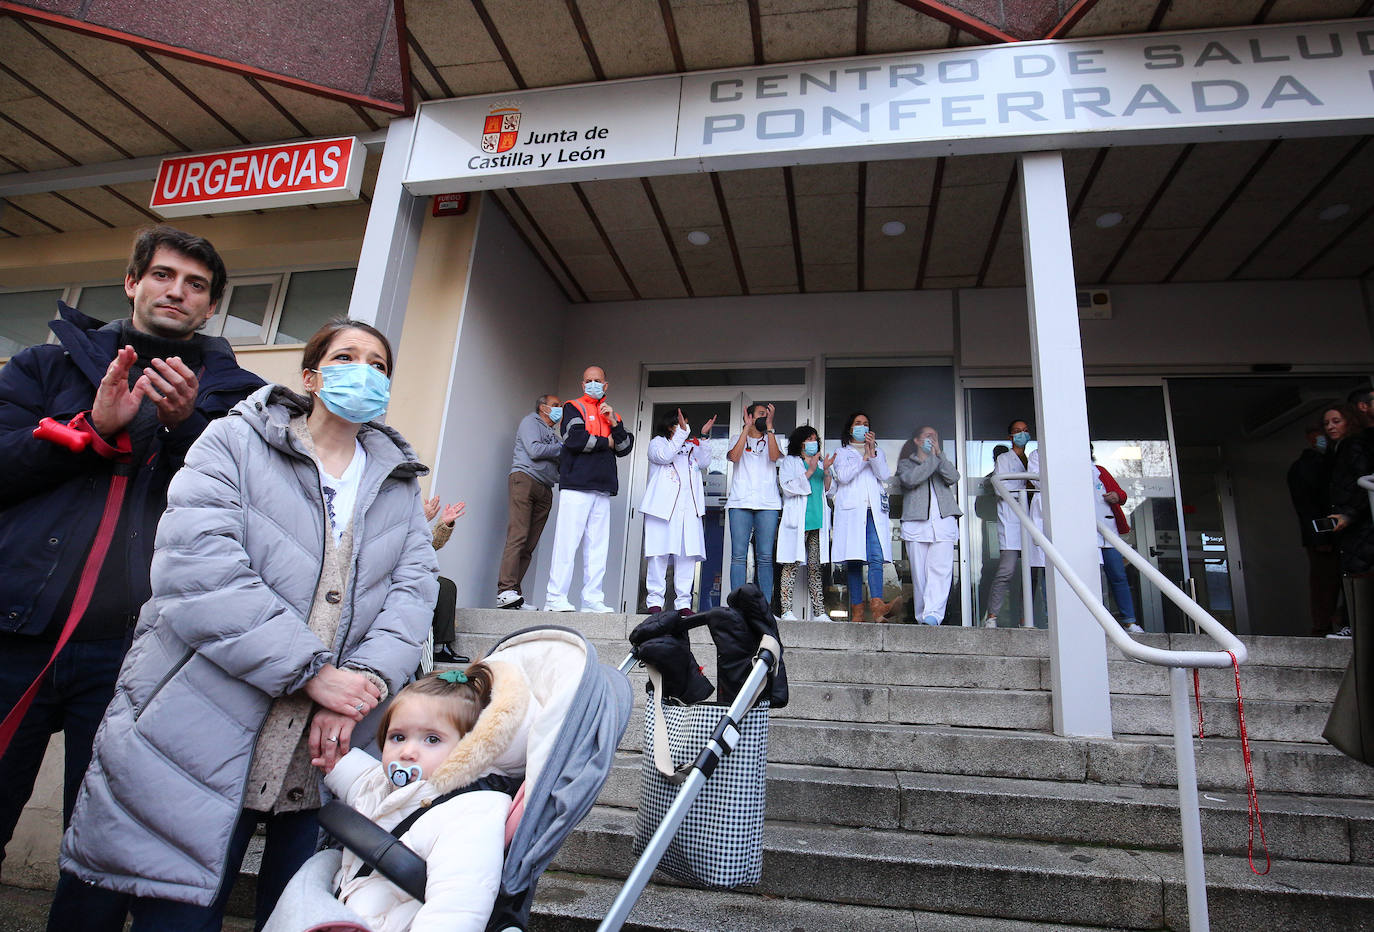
(287,604)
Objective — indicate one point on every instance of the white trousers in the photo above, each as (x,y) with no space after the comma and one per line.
(932,568)
(584,518)
(656,580)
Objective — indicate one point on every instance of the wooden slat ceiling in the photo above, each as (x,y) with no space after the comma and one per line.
(1213,212)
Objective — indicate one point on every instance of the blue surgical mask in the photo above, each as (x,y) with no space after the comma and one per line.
(354,391)
(811,447)
(927,444)
(594,390)
(859,432)
(555,414)
(1021,438)
(1320,443)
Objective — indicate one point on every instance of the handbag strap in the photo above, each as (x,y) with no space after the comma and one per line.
(663,758)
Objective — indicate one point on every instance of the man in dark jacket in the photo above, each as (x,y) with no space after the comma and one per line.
(128,398)
(593,437)
(1309,480)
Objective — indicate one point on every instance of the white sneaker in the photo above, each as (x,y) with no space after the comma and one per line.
(1134,628)
(789,616)
(527,607)
(1342,634)
(932,620)
(509,599)
(597,608)
(558,605)
(990,621)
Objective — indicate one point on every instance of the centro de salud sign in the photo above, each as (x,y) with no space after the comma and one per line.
(282,175)
(1201,86)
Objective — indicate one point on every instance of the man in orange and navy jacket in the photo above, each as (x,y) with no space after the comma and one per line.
(593,438)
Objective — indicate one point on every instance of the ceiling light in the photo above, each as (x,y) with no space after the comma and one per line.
(1333,211)
(1110,219)
(894,228)
(698,237)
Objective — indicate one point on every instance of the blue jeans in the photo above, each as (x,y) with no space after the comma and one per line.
(874,546)
(72,700)
(1115,566)
(292,838)
(762,523)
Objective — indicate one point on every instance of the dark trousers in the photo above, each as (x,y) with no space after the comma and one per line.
(292,838)
(1350,727)
(72,700)
(444,611)
(530,504)
(1323,588)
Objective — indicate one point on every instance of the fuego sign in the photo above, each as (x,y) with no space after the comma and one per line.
(282,175)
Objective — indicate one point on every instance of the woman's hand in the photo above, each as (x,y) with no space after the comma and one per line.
(453,512)
(1342,522)
(345,692)
(329,738)
(1111,498)
(431,508)
(706,428)
(829,461)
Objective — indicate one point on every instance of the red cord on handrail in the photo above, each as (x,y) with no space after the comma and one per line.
(1197,697)
(1253,798)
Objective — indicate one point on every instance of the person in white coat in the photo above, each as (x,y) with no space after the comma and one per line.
(804,531)
(1015,460)
(673,505)
(930,521)
(860,532)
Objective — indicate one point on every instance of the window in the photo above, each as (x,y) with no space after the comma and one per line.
(255,310)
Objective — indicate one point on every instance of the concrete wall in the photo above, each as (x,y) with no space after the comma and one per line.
(508,353)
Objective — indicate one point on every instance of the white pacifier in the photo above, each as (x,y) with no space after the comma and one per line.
(401,774)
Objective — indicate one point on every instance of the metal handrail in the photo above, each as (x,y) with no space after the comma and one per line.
(1115,633)
(1190,818)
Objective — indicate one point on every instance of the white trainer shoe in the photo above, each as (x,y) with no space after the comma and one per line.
(789,616)
(597,608)
(1341,634)
(1134,628)
(990,621)
(558,605)
(509,598)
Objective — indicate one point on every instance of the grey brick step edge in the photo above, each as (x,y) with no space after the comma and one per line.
(1296,827)
(577,903)
(976,671)
(1014,879)
(944,639)
(1131,760)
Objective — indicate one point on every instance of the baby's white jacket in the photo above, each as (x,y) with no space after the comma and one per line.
(462,841)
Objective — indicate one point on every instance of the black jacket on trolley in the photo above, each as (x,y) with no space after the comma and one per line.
(51,499)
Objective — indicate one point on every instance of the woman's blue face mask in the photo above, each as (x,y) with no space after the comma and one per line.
(1021,438)
(354,391)
(811,447)
(859,431)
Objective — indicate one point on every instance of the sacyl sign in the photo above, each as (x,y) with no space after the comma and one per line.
(1253,82)
(283,175)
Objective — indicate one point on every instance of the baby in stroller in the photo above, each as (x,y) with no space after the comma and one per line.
(452,759)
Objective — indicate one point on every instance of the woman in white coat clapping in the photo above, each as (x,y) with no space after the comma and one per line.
(674,502)
(804,531)
(860,530)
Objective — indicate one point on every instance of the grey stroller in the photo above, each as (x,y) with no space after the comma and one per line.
(585,706)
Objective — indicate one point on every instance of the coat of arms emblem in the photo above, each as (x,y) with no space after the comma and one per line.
(501,129)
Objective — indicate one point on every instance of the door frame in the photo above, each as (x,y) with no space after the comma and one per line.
(633,555)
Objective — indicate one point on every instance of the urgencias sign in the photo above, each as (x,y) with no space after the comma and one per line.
(284,175)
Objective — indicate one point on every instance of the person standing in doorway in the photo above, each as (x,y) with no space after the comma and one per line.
(930,521)
(674,503)
(533,474)
(1014,460)
(1309,481)
(1108,497)
(593,438)
(805,528)
(442,519)
(754,505)
(80,505)
(861,532)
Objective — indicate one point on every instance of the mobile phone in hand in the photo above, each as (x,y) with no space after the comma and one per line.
(1323,525)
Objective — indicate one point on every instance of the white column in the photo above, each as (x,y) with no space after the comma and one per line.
(387,261)
(1078,649)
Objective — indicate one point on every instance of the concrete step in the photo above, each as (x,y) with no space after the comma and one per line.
(577,903)
(489,624)
(1017,880)
(1128,760)
(1297,827)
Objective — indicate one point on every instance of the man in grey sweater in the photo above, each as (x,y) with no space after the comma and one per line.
(533,474)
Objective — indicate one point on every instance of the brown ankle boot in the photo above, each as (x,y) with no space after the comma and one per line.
(856,612)
(884,611)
